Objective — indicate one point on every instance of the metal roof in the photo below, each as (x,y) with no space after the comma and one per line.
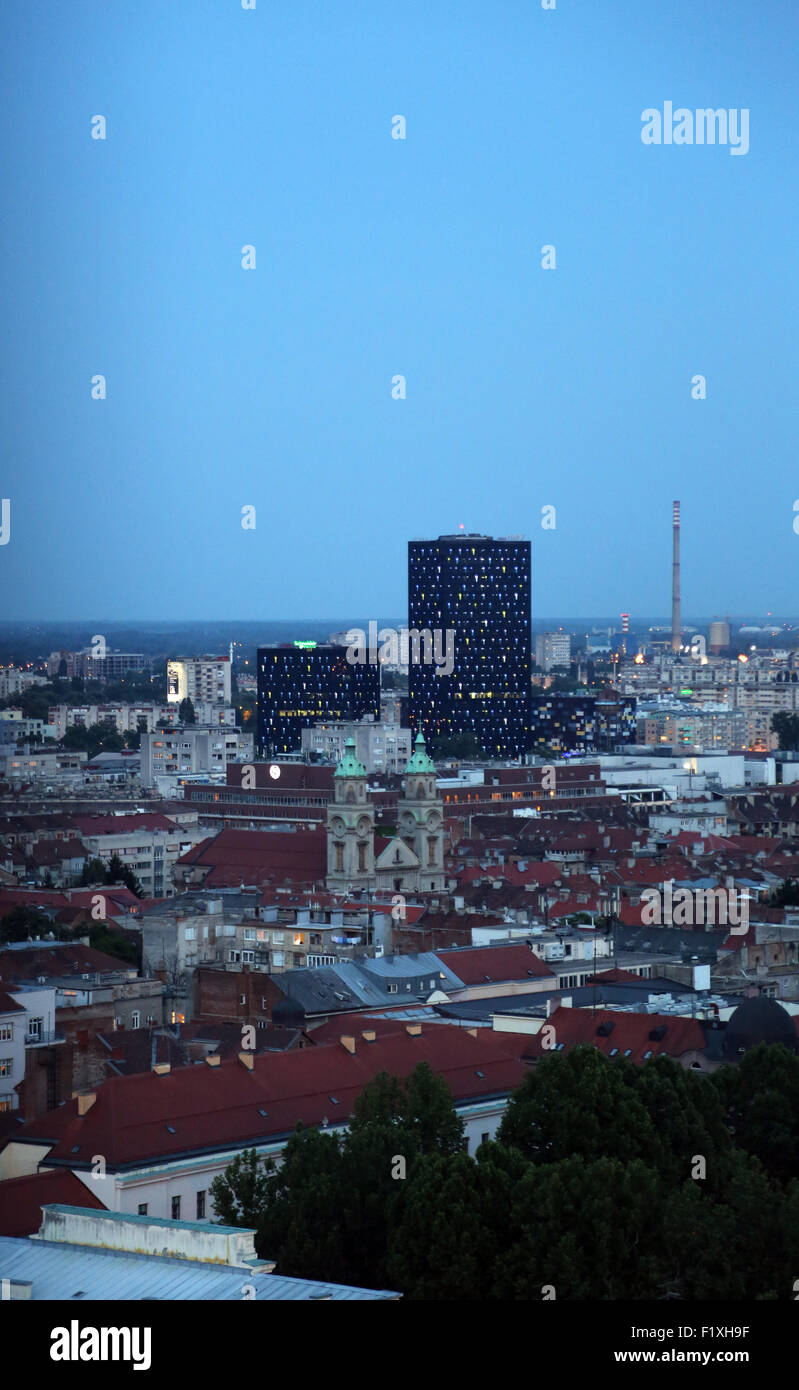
(63,1273)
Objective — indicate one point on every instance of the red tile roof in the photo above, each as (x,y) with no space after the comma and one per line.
(215,1108)
(479,965)
(30,897)
(21,1199)
(56,960)
(253,856)
(631,1032)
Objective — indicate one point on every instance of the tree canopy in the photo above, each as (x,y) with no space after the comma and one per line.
(605,1181)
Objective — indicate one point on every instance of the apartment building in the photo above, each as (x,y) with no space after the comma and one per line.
(199,679)
(13,680)
(190,749)
(149,845)
(552,649)
(380,747)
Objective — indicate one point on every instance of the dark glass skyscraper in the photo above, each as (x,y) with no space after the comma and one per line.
(302,683)
(480,587)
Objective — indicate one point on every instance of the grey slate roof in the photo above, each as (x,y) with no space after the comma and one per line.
(364,983)
(77,1273)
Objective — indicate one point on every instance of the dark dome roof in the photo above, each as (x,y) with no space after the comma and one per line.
(288,1013)
(758,1020)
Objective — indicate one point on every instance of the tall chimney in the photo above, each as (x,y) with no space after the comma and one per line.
(676,635)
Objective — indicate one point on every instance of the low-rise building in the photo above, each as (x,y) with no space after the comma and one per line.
(189,749)
(380,747)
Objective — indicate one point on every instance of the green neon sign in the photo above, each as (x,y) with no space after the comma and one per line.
(305,645)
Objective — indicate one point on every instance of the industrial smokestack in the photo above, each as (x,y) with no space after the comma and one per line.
(676,633)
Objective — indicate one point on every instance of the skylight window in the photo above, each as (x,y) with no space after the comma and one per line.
(334,1100)
(171,1129)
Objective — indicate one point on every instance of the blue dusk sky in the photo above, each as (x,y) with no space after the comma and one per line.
(378,257)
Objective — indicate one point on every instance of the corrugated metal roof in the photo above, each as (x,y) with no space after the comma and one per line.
(73,1273)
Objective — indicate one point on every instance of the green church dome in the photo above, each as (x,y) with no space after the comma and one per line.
(349,765)
(420,761)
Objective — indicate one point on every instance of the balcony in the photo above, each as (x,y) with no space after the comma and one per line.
(44,1038)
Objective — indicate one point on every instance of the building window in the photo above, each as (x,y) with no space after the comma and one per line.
(484,1137)
(175,1208)
(35,1027)
(135,1019)
(201,1205)
(142,1208)
(6,1032)
(6,1064)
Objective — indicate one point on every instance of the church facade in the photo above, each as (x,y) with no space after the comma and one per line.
(412,860)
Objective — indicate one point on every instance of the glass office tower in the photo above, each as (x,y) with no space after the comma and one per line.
(303,683)
(480,588)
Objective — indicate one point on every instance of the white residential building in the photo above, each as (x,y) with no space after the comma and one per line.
(189,749)
(380,747)
(206,678)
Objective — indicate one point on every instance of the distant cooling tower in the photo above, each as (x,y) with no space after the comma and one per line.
(676,634)
(719,636)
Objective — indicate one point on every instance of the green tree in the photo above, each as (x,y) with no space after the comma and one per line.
(24,924)
(786,727)
(760,1097)
(94,873)
(442,1247)
(741,1245)
(240,1194)
(579,1102)
(787,894)
(117,872)
(591,1230)
(186,713)
(303,1224)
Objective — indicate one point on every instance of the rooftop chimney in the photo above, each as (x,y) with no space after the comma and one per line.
(85,1103)
(348,1042)
(246,1060)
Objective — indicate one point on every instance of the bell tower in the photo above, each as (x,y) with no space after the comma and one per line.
(350,826)
(420,820)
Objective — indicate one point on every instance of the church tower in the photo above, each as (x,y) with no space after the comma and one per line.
(420,821)
(350,826)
